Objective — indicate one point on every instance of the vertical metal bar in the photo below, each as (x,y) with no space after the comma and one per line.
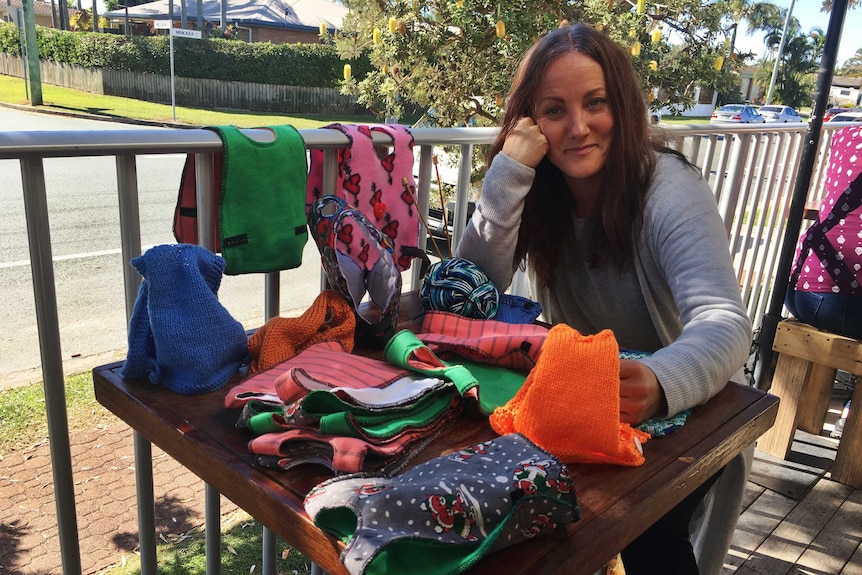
(146,503)
(423,194)
(268,552)
(206,212)
(462,197)
(212,504)
(271,295)
(735,173)
(130,240)
(42,270)
(206,201)
(130,227)
(272,291)
(329,181)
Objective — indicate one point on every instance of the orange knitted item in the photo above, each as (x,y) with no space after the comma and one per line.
(329,318)
(570,403)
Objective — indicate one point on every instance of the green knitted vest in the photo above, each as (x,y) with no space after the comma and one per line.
(261,210)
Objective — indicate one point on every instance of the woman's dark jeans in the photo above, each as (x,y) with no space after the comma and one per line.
(838,313)
(664,548)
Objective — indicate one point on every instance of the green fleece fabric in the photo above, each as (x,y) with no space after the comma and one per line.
(261,208)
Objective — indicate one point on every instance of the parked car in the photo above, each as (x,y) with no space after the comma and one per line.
(780,114)
(847,117)
(737,114)
(831,112)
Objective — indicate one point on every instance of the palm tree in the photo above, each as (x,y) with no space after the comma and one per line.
(827,5)
(760,16)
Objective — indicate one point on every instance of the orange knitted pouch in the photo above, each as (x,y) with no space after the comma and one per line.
(329,318)
(570,402)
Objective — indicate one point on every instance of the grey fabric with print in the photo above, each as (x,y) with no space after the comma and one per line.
(442,516)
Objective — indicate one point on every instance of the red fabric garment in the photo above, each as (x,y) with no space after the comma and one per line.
(324,366)
(516,346)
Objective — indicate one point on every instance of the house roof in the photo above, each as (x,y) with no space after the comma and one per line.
(293,14)
(847,82)
(39,7)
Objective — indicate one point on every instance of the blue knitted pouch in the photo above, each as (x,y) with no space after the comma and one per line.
(180,335)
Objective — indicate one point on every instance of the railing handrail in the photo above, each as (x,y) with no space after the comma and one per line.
(68,143)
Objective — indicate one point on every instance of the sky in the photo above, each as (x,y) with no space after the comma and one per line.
(809,15)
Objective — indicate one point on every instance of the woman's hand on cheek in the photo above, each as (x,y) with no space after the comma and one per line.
(641,396)
(526,144)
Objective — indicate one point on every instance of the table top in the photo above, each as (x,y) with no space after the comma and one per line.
(200,433)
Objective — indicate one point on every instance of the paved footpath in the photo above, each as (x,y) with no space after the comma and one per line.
(103,471)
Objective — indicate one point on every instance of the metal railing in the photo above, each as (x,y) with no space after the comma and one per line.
(751,169)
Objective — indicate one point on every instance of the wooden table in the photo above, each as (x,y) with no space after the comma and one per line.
(617,503)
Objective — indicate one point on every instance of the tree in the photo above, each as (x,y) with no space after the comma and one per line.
(852,66)
(111,5)
(800,61)
(455,59)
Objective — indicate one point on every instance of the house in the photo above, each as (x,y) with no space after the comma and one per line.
(47,13)
(846,91)
(278,21)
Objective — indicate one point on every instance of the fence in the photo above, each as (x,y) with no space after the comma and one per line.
(751,169)
(194,92)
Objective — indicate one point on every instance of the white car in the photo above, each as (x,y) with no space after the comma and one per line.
(737,113)
(780,114)
(847,117)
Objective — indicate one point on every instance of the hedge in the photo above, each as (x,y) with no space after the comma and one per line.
(312,65)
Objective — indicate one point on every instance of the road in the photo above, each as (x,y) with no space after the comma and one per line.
(85,242)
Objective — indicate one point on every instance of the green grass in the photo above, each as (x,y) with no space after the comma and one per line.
(241,545)
(23,420)
(12,91)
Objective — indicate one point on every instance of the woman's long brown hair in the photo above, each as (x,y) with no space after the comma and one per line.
(627,173)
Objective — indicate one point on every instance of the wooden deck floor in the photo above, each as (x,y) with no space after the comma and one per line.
(795,518)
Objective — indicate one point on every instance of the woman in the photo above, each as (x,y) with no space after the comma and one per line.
(826,283)
(825,288)
(623,234)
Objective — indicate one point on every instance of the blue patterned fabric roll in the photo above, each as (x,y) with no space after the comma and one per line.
(456,285)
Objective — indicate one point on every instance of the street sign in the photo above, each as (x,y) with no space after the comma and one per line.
(162,24)
(183,33)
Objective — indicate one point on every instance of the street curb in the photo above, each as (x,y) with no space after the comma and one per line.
(103,118)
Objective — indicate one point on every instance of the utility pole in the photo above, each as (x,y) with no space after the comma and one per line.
(780,52)
(32,63)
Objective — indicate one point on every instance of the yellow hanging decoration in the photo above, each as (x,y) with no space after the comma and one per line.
(656,36)
(636,49)
(653,65)
(375,35)
(348,72)
(459,4)
(632,34)
(501,29)
(393,24)
(384,69)
(641,6)
(719,62)
(323,29)
(498,99)
(650,96)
